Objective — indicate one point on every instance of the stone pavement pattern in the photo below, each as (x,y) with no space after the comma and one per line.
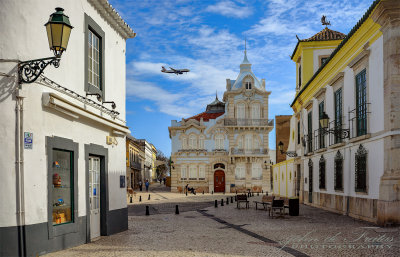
(227,231)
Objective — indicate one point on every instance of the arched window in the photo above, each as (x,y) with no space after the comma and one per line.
(201,142)
(361,169)
(322,177)
(248,143)
(240,111)
(255,111)
(184,143)
(247,83)
(219,166)
(219,141)
(338,171)
(192,142)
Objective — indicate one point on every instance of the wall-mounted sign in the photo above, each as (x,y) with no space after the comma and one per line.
(121,181)
(28,140)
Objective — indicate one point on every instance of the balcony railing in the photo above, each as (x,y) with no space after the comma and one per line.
(192,150)
(338,127)
(358,120)
(220,150)
(136,165)
(249,122)
(249,151)
(319,139)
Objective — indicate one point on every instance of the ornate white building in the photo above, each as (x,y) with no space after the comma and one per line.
(225,148)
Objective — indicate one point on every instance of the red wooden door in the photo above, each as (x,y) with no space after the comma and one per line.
(219,181)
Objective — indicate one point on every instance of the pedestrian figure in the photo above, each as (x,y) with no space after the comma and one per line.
(186,188)
(160,181)
(147,185)
(140,185)
(164,179)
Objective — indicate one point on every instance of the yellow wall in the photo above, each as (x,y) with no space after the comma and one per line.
(368,33)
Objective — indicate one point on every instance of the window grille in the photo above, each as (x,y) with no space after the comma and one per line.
(338,171)
(322,177)
(361,169)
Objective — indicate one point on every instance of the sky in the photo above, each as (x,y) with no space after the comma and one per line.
(208,37)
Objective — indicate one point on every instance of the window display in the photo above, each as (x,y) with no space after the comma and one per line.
(62,196)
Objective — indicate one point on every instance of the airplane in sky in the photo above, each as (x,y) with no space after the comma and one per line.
(172,70)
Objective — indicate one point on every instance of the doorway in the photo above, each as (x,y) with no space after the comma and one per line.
(94,196)
(219,181)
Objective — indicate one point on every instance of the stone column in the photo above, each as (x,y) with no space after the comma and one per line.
(387,14)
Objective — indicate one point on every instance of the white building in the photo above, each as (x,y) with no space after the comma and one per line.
(353,169)
(63,186)
(225,148)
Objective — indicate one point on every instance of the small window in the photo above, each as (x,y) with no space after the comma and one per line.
(219,166)
(299,76)
(248,85)
(298,132)
(323,60)
(240,171)
(183,173)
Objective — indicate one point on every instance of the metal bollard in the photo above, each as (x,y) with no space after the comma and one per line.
(212,192)
(216,203)
(140,198)
(147,210)
(203,192)
(227,200)
(235,198)
(176,209)
(222,202)
(231,199)
(262,191)
(267,193)
(236,191)
(149,197)
(130,200)
(258,193)
(252,194)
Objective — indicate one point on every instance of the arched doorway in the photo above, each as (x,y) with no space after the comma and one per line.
(219,181)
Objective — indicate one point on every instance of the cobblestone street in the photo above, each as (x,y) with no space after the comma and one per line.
(203,230)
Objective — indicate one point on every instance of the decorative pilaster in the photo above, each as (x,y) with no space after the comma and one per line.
(387,14)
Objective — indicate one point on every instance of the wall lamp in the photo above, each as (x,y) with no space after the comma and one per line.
(173,167)
(58,31)
(288,153)
(337,131)
(96,94)
(113,105)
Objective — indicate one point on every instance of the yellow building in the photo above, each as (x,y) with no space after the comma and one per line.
(346,117)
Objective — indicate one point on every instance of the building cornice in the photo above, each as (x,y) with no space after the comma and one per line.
(113,18)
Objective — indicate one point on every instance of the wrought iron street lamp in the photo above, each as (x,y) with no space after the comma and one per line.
(288,153)
(337,131)
(58,31)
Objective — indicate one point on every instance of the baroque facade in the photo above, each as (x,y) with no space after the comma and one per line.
(62,162)
(225,148)
(352,166)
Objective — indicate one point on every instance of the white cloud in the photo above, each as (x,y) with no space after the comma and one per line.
(148,109)
(230,9)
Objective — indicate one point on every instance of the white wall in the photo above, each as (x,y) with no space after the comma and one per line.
(27,40)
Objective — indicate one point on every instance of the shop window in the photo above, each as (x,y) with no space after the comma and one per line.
(63,187)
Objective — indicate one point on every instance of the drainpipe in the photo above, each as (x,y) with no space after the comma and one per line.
(19,144)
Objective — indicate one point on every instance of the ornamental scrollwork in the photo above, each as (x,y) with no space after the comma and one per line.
(29,71)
